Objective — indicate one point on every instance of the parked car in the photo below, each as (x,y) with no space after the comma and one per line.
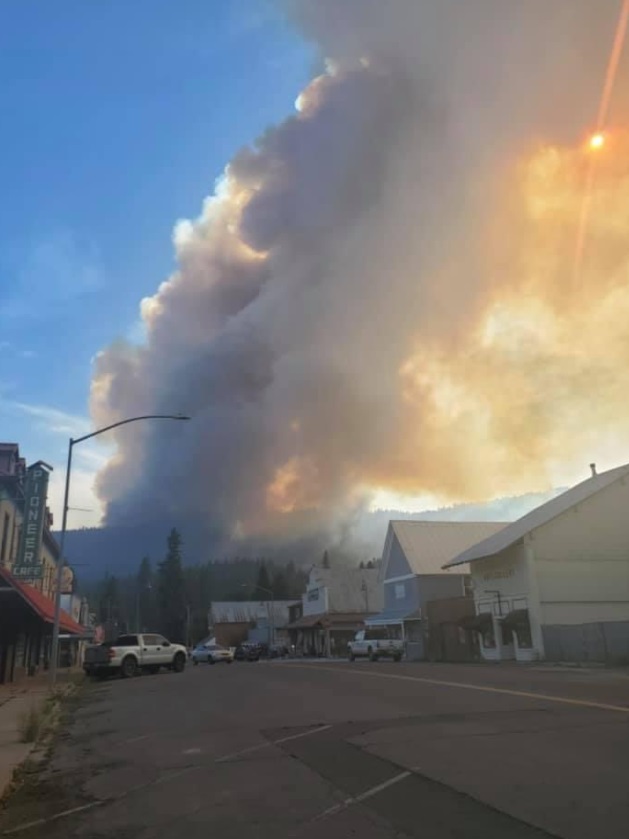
(130,655)
(247,652)
(374,644)
(211,654)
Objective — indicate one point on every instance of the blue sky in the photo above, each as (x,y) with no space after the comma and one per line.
(118,117)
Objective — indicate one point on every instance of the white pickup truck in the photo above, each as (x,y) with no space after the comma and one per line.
(129,655)
(374,644)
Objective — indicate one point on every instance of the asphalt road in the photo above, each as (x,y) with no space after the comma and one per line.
(326,749)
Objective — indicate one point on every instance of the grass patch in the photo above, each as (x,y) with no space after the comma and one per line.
(41,725)
(30,725)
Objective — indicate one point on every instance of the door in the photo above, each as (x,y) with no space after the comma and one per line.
(149,650)
(163,653)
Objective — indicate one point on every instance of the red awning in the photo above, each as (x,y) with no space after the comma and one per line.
(42,605)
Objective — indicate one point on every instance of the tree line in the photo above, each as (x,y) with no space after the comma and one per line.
(172,599)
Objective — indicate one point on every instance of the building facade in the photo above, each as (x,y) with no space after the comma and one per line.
(555,584)
(28,566)
(335,605)
(258,621)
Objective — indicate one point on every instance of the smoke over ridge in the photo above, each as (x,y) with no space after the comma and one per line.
(379,297)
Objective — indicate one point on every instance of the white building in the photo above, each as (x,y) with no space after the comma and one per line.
(334,607)
(555,583)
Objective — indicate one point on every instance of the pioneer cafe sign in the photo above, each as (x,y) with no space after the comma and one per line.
(28,564)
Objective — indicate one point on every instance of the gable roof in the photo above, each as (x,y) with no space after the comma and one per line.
(429,545)
(512,533)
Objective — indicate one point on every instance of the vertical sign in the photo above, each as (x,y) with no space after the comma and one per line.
(28,563)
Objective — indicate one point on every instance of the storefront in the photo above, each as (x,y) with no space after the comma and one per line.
(327,634)
(26,620)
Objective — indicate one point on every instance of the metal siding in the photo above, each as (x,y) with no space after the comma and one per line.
(430,545)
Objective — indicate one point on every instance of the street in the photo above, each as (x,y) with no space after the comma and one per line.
(331,749)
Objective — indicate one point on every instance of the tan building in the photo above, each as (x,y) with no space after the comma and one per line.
(555,583)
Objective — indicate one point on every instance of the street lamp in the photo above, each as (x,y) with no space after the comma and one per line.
(272,615)
(72,442)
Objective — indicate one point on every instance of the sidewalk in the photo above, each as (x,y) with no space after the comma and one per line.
(15,701)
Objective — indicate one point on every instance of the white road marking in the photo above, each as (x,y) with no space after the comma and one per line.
(101,802)
(191,752)
(137,739)
(542,697)
(381,787)
(39,822)
(271,743)
(358,799)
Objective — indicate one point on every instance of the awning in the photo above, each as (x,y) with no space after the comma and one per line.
(393,616)
(43,606)
(330,620)
(519,617)
(307,622)
(478,623)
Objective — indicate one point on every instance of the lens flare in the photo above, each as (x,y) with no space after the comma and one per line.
(597,141)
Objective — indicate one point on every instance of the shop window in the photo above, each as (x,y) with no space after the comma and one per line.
(523,634)
(488,637)
(506,635)
(400,591)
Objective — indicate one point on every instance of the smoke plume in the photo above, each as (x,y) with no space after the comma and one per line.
(380,295)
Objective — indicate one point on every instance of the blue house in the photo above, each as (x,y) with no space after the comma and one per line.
(412,573)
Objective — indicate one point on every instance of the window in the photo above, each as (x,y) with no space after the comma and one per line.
(488,636)
(523,634)
(400,591)
(126,641)
(507,637)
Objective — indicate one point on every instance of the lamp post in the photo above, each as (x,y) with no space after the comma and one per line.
(272,614)
(72,442)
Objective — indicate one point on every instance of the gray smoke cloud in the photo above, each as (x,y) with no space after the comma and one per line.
(322,327)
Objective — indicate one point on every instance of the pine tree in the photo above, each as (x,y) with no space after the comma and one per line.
(280,584)
(263,582)
(171,591)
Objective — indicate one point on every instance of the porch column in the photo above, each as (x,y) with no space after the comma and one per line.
(534,604)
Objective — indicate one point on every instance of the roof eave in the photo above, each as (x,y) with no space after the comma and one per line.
(464,559)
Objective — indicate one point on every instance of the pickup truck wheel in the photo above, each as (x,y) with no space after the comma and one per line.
(179,663)
(352,657)
(129,667)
